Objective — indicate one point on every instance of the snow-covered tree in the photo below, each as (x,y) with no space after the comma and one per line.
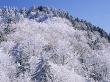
(42,72)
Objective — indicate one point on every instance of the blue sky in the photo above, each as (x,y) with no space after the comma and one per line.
(95,11)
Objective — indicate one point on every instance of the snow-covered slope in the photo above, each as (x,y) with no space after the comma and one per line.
(44,45)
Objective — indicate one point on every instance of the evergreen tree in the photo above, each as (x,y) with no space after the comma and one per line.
(21,59)
(42,73)
(109,37)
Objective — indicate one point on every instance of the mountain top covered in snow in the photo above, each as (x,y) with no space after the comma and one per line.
(43,44)
(42,13)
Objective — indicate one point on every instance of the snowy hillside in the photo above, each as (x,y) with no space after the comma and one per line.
(42,44)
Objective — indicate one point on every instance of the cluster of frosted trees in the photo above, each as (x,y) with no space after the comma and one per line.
(49,45)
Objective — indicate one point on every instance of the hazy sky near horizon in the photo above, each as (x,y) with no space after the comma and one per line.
(95,11)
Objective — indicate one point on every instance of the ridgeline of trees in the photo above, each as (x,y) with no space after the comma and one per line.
(41,13)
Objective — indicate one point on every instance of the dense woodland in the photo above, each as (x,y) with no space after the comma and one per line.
(43,44)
